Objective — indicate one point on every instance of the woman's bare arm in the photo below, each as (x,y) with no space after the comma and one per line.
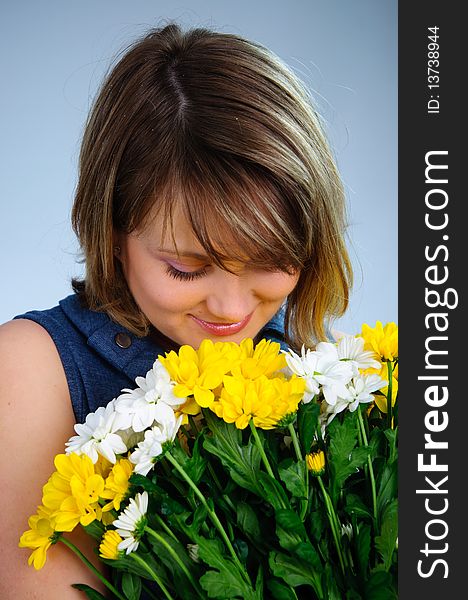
(36,419)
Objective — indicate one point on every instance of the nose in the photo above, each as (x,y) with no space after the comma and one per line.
(232,297)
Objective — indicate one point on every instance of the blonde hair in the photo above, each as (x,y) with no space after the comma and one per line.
(218,125)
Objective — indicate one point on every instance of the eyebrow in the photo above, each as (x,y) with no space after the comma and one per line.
(183,254)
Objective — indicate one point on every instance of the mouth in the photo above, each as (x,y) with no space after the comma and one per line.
(221,329)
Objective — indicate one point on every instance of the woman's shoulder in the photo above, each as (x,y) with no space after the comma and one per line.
(36,419)
(29,357)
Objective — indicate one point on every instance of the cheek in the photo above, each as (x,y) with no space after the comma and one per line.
(156,289)
(276,286)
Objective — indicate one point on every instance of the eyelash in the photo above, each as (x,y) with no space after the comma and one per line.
(184,276)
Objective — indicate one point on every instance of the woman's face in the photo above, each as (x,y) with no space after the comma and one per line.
(187,297)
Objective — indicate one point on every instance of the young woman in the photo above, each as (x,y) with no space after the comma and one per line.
(208,206)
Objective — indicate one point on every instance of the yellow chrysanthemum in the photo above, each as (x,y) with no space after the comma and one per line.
(381,401)
(108,546)
(39,537)
(72,492)
(288,395)
(116,484)
(261,359)
(187,408)
(381,340)
(198,372)
(103,466)
(316,462)
(265,401)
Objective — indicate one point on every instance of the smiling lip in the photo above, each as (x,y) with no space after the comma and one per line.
(222,328)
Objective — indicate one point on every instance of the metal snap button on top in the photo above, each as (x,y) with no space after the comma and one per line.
(123,340)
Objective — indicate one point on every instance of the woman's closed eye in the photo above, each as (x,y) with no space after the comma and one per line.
(184,275)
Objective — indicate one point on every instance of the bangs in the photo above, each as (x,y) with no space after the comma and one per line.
(236,212)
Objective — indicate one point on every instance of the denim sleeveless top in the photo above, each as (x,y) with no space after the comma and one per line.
(100,357)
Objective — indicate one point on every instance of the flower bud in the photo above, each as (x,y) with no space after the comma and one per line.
(316,462)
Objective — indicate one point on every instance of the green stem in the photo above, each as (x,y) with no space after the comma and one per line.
(300,458)
(261,449)
(154,576)
(213,516)
(333,524)
(295,442)
(389,393)
(89,564)
(176,558)
(369,463)
(167,529)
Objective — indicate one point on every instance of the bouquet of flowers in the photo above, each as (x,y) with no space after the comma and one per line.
(239,471)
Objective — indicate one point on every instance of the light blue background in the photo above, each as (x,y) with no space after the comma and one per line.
(54,54)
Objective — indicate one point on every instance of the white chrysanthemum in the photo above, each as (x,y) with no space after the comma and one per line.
(97,435)
(351,348)
(361,388)
(323,370)
(130,524)
(304,366)
(139,408)
(156,438)
(358,390)
(333,374)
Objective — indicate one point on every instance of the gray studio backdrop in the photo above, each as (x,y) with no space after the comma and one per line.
(54,55)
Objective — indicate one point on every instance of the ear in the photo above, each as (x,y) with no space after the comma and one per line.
(117,243)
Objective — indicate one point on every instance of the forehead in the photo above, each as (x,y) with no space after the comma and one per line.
(174,232)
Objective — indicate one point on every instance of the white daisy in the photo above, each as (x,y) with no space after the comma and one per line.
(97,435)
(351,348)
(130,524)
(139,408)
(164,432)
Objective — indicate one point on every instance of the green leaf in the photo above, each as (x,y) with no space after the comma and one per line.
(307,422)
(317,523)
(392,437)
(90,592)
(386,541)
(178,578)
(272,491)
(199,517)
(294,571)
(289,529)
(344,458)
(363,544)
(380,586)
(293,474)
(309,554)
(247,520)
(352,595)
(225,581)
(196,465)
(242,462)
(332,591)
(128,564)
(138,480)
(355,506)
(131,586)
(280,590)
(95,529)
(388,487)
